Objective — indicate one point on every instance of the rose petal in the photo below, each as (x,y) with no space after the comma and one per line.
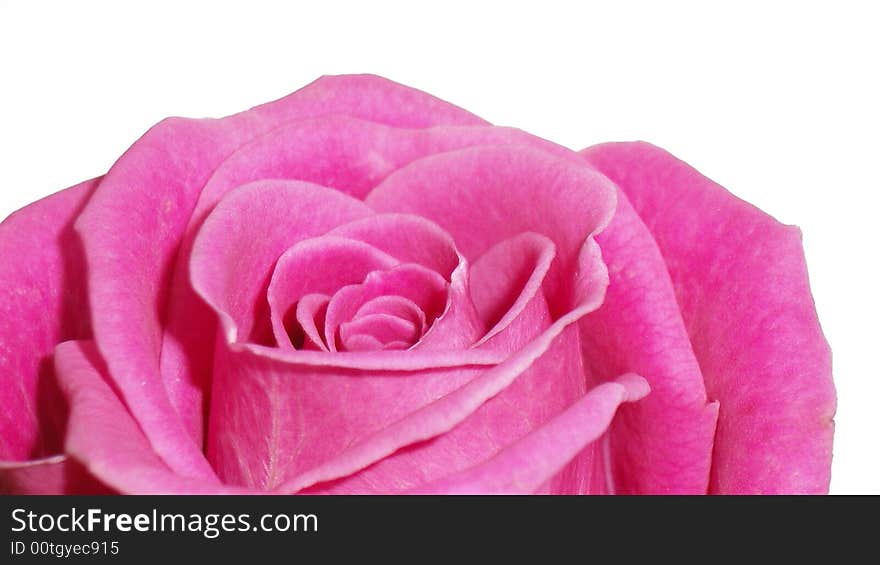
(42,301)
(411,239)
(310,314)
(399,306)
(385,328)
(104,438)
(664,443)
(349,154)
(57,474)
(741,282)
(320,265)
(133,228)
(524,466)
(506,289)
(515,190)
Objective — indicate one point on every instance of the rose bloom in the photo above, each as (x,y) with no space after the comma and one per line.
(360,288)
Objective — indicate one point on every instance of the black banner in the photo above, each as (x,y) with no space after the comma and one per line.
(283,529)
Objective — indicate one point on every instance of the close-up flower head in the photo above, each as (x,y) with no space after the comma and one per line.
(360,288)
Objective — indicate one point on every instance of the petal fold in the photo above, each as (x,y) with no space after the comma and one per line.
(244,236)
(321,265)
(514,190)
(532,461)
(104,438)
(58,474)
(663,444)
(741,281)
(43,300)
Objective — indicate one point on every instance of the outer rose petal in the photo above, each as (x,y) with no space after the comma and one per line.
(42,301)
(102,435)
(52,475)
(662,444)
(741,281)
(133,227)
(411,239)
(310,313)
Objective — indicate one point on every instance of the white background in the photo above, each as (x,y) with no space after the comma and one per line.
(776,101)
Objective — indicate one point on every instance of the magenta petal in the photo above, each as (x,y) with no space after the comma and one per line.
(386,328)
(515,190)
(368,97)
(277,422)
(272,420)
(311,311)
(506,289)
(244,236)
(527,389)
(399,306)
(104,438)
(57,474)
(526,465)
(535,395)
(741,282)
(347,153)
(411,239)
(320,265)
(43,300)
(363,342)
(662,444)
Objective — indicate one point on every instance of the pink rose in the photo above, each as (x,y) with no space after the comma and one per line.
(360,288)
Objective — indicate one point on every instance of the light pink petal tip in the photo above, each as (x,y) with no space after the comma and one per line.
(741,282)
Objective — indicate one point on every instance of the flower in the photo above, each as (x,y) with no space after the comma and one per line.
(360,288)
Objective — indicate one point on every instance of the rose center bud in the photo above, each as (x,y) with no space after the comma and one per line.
(346,330)
(388,282)
(384,322)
